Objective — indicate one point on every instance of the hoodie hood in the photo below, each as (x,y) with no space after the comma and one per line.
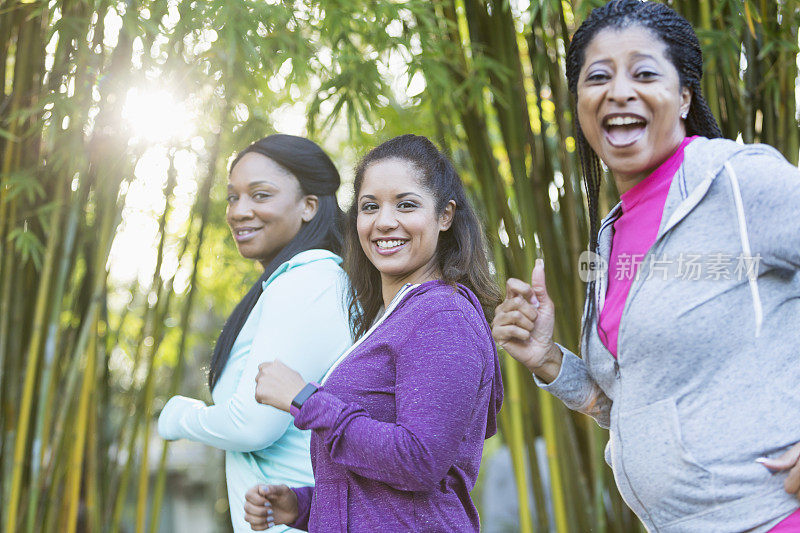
(303,258)
(705,161)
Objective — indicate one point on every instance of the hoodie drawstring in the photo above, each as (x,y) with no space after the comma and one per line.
(752,269)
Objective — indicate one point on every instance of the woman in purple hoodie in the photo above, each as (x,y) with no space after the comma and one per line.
(399,421)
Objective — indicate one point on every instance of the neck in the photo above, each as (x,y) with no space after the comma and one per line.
(265,261)
(626,181)
(391,285)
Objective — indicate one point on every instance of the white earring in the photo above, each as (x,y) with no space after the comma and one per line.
(684,115)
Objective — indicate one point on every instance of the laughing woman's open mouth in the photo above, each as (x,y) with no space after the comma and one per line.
(623,130)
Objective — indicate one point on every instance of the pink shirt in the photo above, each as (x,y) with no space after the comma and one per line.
(634,233)
(790,524)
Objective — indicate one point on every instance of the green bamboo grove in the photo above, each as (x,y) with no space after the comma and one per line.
(86,360)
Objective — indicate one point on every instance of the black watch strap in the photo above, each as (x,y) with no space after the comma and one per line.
(304,394)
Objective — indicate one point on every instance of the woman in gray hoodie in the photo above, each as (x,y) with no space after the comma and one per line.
(690,330)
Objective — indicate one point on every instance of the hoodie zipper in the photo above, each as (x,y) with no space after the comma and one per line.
(618,374)
(618,358)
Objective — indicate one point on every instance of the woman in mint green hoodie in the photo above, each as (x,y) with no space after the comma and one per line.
(283,213)
(691,344)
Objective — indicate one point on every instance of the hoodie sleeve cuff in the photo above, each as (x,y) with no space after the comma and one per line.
(169,421)
(577,389)
(571,365)
(304,495)
(319,412)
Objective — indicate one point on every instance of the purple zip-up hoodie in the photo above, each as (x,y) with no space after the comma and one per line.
(398,427)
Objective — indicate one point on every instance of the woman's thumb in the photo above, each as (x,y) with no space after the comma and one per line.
(270,491)
(538,282)
(784,462)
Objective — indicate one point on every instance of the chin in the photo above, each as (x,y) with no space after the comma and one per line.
(392,271)
(250,254)
(632,165)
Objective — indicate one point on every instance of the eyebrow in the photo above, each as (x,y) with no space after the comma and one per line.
(255,184)
(405,194)
(598,62)
(637,56)
(641,55)
(397,196)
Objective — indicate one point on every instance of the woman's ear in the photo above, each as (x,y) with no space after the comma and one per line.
(686,100)
(310,206)
(446,218)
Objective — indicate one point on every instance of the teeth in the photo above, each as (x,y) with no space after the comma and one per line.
(623,121)
(389,244)
(243,231)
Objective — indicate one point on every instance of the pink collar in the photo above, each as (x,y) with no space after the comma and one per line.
(657,180)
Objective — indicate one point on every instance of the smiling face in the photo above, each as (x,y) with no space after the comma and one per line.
(266,207)
(630,102)
(397,223)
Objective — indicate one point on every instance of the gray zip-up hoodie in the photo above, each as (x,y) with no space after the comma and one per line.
(707,377)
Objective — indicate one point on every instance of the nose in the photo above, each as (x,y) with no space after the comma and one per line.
(621,89)
(240,210)
(386,220)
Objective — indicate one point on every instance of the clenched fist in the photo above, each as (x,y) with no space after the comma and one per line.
(277,385)
(268,505)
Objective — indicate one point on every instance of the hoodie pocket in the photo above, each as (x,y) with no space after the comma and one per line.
(663,476)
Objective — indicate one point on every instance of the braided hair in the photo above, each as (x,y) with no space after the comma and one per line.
(683,51)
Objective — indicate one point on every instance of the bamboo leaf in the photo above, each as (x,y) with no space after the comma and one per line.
(27,245)
(22,183)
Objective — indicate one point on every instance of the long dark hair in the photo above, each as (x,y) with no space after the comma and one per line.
(683,51)
(461,251)
(317,175)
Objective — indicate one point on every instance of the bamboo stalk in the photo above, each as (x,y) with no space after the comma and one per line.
(597,441)
(8,208)
(34,352)
(75,471)
(50,374)
(549,425)
(92,488)
(156,319)
(513,431)
(516,440)
(203,208)
(790,13)
(711,73)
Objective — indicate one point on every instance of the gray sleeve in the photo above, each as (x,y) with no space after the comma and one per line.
(576,388)
(770,194)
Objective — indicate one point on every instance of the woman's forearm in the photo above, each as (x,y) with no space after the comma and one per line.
(232,426)
(574,385)
(412,456)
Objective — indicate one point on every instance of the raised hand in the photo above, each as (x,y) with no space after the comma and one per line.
(523,325)
(268,505)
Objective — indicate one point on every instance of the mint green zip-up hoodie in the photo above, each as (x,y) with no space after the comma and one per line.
(707,377)
(301,319)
